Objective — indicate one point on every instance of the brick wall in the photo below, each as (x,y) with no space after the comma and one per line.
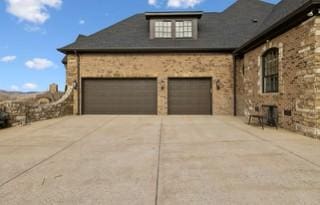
(218,66)
(299,61)
(317,73)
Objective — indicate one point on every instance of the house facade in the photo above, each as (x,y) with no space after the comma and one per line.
(252,57)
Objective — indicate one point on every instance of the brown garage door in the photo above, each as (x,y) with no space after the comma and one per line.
(119,96)
(190,96)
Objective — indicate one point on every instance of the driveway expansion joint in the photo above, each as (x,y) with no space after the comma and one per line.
(158,163)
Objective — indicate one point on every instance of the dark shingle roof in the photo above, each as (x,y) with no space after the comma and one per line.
(236,27)
(217,31)
(281,10)
(240,21)
(284,16)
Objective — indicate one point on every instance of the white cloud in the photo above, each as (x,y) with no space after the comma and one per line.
(7,59)
(152,2)
(14,88)
(183,3)
(81,22)
(39,64)
(34,11)
(29,86)
(24,87)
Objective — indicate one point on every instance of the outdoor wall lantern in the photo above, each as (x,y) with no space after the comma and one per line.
(162,86)
(75,84)
(310,14)
(218,84)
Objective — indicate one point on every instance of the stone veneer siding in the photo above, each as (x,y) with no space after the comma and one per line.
(240,93)
(162,66)
(299,78)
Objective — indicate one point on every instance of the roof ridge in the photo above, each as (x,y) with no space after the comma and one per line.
(240,1)
(268,3)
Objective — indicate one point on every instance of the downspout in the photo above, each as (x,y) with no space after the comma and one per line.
(78,81)
(234,85)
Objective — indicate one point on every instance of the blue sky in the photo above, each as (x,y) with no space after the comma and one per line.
(32,30)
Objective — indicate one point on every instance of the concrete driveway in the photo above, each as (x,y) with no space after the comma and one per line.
(132,160)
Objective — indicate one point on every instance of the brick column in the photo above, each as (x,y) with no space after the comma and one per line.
(162,95)
(71,73)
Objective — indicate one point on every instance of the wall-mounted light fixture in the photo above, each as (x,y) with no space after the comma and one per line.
(162,85)
(218,84)
(310,14)
(243,69)
(75,84)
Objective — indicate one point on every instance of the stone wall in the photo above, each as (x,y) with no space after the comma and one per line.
(240,93)
(22,113)
(218,66)
(299,71)
(317,73)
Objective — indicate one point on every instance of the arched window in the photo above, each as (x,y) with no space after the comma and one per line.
(270,71)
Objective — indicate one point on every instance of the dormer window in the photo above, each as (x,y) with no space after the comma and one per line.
(163,29)
(173,29)
(184,29)
(173,25)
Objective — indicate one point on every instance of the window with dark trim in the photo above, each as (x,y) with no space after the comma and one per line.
(163,29)
(173,28)
(270,71)
(184,29)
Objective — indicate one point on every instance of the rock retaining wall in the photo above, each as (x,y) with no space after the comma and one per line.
(22,113)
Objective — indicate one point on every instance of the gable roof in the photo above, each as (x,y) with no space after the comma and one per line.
(279,11)
(284,16)
(239,28)
(242,19)
(223,31)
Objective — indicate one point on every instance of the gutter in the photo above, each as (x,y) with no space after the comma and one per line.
(148,50)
